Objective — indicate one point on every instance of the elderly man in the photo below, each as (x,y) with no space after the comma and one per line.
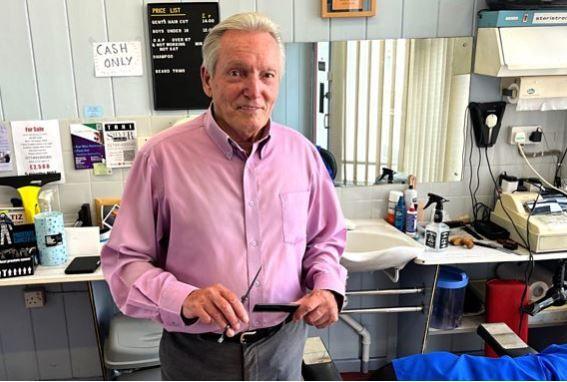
(212,203)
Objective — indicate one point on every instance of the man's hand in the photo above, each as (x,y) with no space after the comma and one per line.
(215,304)
(318,308)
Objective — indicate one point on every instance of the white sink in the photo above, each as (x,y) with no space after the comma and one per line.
(375,245)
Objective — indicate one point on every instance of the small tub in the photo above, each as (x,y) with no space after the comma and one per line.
(449,298)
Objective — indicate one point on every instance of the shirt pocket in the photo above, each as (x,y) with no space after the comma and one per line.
(295,206)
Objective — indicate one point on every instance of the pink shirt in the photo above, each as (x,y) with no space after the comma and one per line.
(197,211)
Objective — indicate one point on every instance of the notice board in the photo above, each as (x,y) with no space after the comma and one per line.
(177,31)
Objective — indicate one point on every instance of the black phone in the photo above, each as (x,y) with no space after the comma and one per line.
(287,308)
(83,264)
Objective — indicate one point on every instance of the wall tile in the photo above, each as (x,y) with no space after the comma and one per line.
(160,123)
(116,176)
(357,210)
(107,189)
(72,175)
(72,196)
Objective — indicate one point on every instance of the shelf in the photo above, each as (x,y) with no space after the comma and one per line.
(477,254)
(553,316)
(468,325)
(52,274)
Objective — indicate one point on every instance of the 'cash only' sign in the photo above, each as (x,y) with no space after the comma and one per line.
(117,59)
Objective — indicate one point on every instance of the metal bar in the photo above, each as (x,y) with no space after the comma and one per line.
(385,292)
(398,309)
(429,311)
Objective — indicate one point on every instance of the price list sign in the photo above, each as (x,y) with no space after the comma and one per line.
(177,32)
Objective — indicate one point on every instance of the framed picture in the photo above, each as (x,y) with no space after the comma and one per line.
(348,8)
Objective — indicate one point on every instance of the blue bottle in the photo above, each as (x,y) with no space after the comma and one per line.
(400,214)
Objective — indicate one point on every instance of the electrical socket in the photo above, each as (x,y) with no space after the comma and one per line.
(521,134)
(34,298)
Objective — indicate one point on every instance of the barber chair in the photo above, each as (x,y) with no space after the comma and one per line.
(518,361)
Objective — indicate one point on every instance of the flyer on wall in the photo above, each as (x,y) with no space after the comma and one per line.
(119,143)
(5,154)
(88,148)
(37,146)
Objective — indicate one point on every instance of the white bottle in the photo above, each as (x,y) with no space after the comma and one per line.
(437,232)
(437,236)
(410,197)
(410,194)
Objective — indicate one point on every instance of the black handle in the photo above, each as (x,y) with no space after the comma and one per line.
(287,308)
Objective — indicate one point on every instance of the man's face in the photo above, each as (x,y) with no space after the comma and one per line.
(245,85)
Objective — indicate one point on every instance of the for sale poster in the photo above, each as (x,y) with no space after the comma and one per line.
(88,147)
(119,143)
(37,146)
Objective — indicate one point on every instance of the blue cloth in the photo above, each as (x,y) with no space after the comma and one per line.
(549,365)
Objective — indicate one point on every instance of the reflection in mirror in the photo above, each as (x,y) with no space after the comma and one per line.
(398,104)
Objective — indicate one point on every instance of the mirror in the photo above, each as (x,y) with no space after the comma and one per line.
(396,104)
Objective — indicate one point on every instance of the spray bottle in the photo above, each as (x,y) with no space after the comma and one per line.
(410,194)
(436,232)
(45,200)
(391,177)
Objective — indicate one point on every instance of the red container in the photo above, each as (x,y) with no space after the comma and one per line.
(503,305)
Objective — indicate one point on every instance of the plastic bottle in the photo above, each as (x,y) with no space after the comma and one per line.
(392,202)
(437,232)
(411,222)
(400,215)
(410,194)
(45,200)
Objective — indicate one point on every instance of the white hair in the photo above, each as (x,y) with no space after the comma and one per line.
(248,22)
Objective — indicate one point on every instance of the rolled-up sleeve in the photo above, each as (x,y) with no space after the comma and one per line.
(326,236)
(132,260)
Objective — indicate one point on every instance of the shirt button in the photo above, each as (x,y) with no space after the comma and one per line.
(257,284)
(253,243)
(251,204)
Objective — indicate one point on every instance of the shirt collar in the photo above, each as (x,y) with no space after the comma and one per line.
(227,145)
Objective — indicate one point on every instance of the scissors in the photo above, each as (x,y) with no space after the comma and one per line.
(243,299)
